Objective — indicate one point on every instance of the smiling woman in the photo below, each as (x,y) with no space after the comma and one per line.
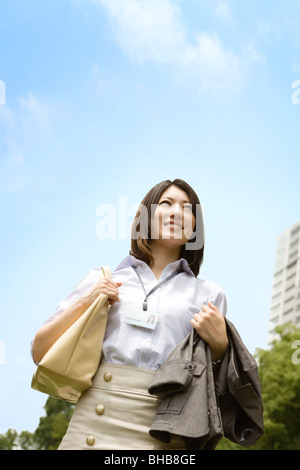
(155,302)
(173,218)
(171,213)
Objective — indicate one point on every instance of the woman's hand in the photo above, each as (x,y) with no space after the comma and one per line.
(51,331)
(210,325)
(107,287)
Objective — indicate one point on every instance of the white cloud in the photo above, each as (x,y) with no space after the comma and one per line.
(295,67)
(34,114)
(212,65)
(153,30)
(2,92)
(147,30)
(223,11)
(30,121)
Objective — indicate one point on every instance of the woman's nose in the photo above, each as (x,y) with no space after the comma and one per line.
(176,211)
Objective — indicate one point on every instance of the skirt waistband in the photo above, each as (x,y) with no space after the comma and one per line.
(116,376)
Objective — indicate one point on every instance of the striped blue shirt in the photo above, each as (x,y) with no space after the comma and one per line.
(176,301)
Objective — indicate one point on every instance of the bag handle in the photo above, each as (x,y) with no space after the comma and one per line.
(106,272)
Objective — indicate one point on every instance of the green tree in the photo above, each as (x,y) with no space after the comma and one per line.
(280,380)
(26,441)
(279,371)
(48,434)
(53,426)
(8,441)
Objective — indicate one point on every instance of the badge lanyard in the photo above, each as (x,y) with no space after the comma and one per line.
(174,273)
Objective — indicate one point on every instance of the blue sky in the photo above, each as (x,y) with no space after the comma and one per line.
(105,98)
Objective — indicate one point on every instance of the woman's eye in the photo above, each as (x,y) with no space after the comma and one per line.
(165,202)
(188,206)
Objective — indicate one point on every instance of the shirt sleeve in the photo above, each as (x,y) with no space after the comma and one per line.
(82,288)
(220,301)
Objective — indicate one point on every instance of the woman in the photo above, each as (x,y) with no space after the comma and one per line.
(158,281)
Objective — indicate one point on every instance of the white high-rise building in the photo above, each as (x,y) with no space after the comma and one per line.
(285,304)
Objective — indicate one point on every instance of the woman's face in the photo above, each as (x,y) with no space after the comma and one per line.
(173,221)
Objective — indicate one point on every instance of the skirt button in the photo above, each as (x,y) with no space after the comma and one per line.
(100,409)
(90,440)
(107,376)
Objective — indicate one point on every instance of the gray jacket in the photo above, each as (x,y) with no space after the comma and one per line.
(230,401)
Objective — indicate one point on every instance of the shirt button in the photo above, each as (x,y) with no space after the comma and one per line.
(100,409)
(90,440)
(107,376)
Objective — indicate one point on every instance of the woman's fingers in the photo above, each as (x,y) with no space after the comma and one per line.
(111,289)
(107,287)
(210,325)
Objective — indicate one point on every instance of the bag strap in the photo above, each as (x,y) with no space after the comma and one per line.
(106,272)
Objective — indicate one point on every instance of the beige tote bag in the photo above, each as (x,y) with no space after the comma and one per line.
(67,368)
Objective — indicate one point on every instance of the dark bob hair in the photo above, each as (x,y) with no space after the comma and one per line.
(141,245)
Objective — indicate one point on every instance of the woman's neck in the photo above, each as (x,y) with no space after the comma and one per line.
(162,256)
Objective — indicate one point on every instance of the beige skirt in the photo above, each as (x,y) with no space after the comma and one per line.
(116,413)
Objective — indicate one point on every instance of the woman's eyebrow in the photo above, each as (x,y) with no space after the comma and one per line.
(172,199)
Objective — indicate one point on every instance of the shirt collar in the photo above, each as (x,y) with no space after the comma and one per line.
(132,261)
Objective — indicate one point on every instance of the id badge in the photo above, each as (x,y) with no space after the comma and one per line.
(142,318)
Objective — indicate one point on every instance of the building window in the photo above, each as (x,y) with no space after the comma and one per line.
(289,288)
(291,265)
(293,255)
(279,274)
(295,231)
(275,308)
(276,297)
(294,244)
